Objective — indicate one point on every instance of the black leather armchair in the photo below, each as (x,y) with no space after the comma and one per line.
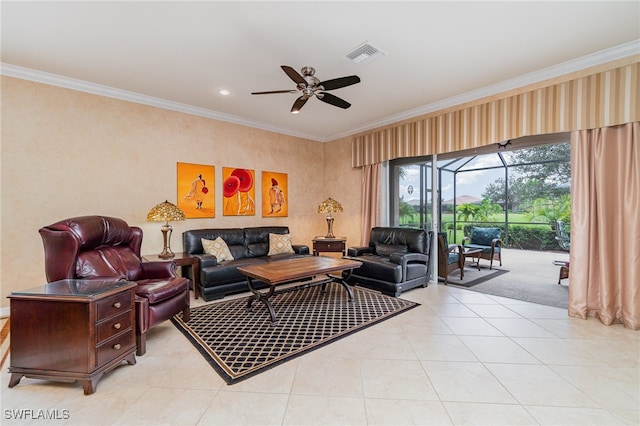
(396,260)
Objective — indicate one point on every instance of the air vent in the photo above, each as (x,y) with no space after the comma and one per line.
(364,53)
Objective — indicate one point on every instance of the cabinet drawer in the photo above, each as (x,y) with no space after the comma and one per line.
(329,246)
(113,326)
(113,305)
(114,347)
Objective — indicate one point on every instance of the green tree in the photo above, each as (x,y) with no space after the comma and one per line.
(541,172)
(405,209)
(540,163)
(486,210)
(467,211)
(551,209)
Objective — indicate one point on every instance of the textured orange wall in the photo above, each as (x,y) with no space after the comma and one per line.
(67,153)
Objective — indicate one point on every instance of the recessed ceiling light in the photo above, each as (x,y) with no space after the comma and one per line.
(224,92)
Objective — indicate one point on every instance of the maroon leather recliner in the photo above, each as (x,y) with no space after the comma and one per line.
(97,246)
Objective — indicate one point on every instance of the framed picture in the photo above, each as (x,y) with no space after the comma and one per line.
(196,190)
(238,192)
(275,193)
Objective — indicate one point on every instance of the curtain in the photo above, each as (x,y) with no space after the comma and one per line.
(604,279)
(601,99)
(370,201)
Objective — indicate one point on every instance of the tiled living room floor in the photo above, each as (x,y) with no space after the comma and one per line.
(460,358)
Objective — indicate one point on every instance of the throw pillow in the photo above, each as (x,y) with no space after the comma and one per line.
(387,249)
(218,248)
(280,243)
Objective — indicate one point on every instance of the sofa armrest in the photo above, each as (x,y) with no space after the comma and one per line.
(159,269)
(404,258)
(207,260)
(300,249)
(496,242)
(359,251)
(465,239)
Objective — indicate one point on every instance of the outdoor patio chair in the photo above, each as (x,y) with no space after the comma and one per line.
(488,240)
(449,258)
(562,236)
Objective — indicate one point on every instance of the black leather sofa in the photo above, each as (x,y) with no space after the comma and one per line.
(247,245)
(396,260)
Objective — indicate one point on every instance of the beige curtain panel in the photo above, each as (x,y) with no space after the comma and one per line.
(604,279)
(603,99)
(370,201)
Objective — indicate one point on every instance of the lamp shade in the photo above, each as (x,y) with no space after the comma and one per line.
(165,212)
(330,206)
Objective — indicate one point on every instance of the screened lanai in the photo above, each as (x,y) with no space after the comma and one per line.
(522,182)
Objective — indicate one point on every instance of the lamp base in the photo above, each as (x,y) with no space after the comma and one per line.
(167,230)
(330,227)
(167,254)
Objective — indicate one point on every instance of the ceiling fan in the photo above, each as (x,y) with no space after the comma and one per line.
(310,86)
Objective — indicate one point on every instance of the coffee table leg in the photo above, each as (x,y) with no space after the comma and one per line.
(264,298)
(344,284)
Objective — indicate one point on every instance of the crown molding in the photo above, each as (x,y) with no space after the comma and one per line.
(11,70)
(594,59)
(598,58)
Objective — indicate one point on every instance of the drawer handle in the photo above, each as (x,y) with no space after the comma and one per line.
(116,346)
(117,305)
(117,326)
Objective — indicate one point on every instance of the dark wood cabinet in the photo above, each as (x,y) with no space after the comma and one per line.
(72,330)
(323,244)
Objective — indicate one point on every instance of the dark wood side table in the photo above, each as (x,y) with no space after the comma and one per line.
(72,330)
(184,260)
(336,244)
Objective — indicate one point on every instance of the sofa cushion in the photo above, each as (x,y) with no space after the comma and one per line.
(157,290)
(387,249)
(380,268)
(414,239)
(279,244)
(257,239)
(484,236)
(218,248)
(485,249)
(109,262)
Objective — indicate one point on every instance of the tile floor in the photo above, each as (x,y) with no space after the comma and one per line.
(461,358)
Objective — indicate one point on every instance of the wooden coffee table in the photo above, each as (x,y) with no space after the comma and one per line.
(292,270)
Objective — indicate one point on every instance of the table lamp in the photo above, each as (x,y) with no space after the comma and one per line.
(330,206)
(164,212)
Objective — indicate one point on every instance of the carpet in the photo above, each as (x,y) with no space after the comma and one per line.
(544,293)
(240,344)
(474,277)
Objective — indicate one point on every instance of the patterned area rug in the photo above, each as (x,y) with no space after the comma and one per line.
(240,344)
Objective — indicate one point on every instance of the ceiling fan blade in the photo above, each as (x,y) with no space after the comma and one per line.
(337,83)
(274,91)
(299,103)
(333,100)
(293,75)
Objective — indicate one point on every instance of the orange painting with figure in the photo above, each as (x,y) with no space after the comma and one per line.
(275,194)
(238,192)
(196,190)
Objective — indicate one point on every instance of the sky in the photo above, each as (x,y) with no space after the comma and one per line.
(467,183)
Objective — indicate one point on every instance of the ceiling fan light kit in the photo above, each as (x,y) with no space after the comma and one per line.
(308,85)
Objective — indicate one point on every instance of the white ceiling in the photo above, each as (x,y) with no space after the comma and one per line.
(177,54)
